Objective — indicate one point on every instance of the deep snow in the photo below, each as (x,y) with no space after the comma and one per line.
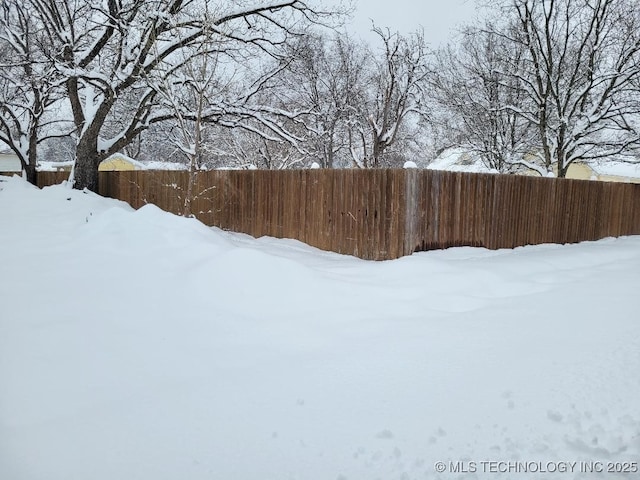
(140,345)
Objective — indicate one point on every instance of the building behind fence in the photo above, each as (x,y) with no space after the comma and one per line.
(385,214)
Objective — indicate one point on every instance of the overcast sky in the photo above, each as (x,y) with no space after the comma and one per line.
(439,18)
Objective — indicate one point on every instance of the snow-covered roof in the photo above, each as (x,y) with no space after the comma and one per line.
(54,166)
(459,160)
(249,166)
(158,165)
(616,168)
(151,165)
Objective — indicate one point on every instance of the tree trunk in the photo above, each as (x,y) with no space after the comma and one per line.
(86,168)
(562,169)
(376,152)
(30,171)
(29,164)
(191,180)
(561,157)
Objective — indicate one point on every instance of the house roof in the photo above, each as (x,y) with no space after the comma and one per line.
(152,165)
(459,160)
(616,168)
(54,166)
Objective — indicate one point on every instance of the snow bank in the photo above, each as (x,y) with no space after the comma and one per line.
(137,344)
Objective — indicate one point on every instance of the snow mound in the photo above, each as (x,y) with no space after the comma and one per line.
(138,344)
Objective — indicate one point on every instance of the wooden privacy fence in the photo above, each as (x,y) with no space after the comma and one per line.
(385,214)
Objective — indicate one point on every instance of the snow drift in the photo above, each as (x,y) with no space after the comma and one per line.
(140,345)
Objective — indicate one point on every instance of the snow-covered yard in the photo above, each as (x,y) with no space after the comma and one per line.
(140,345)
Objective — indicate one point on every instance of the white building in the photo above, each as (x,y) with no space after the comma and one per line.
(9,163)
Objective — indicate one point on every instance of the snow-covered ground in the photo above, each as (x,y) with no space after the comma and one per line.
(140,345)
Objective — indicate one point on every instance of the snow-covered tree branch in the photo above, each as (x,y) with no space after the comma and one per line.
(27,85)
(581,60)
(398,85)
(474,88)
(106,53)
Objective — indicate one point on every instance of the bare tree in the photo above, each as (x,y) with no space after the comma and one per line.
(474,87)
(397,91)
(186,95)
(328,78)
(322,86)
(581,59)
(245,150)
(27,85)
(107,51)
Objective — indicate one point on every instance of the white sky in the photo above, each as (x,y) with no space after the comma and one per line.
(439,18)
